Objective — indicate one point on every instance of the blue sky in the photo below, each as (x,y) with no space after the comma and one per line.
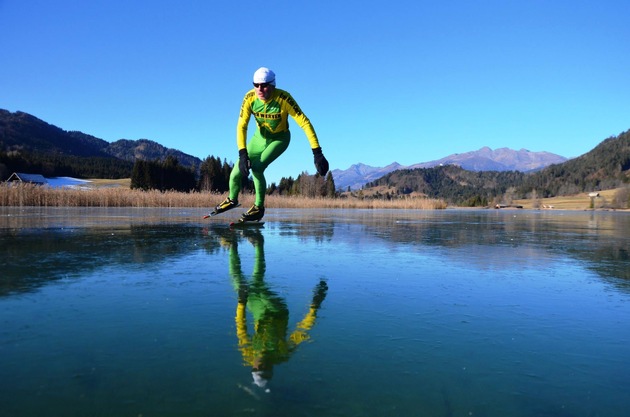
(404,81)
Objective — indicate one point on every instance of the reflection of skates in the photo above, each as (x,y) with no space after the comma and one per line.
(254,236)
(245,223)
(226,205)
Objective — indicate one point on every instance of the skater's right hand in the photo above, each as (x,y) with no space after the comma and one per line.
(243,163)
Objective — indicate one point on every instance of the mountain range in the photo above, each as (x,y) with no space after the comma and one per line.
(484,159)
(20,131)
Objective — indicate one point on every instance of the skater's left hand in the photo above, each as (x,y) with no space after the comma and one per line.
(321,164)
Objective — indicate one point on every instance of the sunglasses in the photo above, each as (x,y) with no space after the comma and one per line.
(262,85)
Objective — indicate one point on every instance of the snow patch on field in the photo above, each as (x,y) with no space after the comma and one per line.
(68,182)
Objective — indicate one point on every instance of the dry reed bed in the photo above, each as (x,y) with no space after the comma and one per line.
(22,195)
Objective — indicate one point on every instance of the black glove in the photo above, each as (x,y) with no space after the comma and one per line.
(242,294)
(243,163)
(321,164)
(319,293)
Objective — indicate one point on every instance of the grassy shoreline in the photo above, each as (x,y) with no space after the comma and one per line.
(582,201)
(104,193)
(28,195)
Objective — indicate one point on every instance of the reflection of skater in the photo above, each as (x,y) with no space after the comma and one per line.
(271,107)
(270,343)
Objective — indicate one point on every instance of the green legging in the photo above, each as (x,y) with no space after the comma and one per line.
(262,152)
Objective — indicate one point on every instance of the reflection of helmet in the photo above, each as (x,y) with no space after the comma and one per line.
(261,378)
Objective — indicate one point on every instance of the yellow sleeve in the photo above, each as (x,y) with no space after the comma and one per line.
(310,132)
(301,332)
(244,344)
(300,118)
(243,120)
(241,325)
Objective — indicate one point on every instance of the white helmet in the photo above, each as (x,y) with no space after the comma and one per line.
(264,75)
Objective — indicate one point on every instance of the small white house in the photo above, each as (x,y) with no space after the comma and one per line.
(27,178)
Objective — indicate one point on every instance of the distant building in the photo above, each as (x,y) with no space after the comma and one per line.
(512,206)
(27,178)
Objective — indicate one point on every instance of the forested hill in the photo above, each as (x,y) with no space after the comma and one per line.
(606,166)
(28,144)
(21,131)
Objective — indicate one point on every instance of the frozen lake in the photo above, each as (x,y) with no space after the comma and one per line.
(155,312)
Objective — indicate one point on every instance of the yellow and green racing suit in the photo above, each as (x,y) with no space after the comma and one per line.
(271,138)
